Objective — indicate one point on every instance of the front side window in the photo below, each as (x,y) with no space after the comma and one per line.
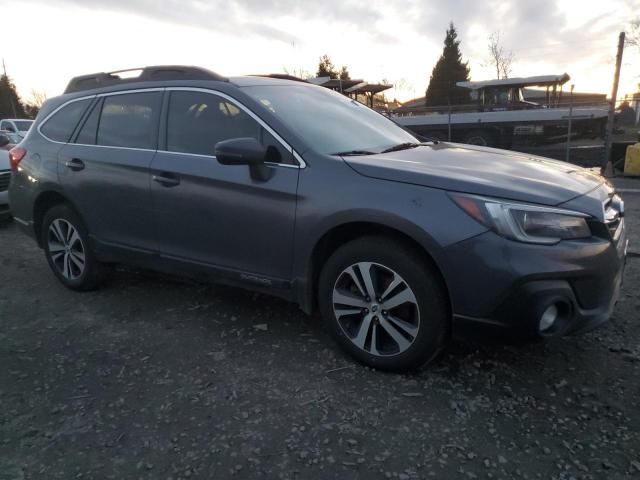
(329,122)
(62,123)
(130,120)
(197,121)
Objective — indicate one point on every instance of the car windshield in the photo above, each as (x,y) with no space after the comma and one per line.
(329,121)
(23,125)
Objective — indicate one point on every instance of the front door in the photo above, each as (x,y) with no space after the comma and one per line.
(229,217)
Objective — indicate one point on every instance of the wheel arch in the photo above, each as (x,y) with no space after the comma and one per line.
(342,233)
(43,202)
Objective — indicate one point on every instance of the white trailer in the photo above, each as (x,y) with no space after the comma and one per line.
(500,116)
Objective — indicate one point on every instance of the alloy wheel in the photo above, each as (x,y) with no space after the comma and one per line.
(376,309)
(66,249)
(477,140)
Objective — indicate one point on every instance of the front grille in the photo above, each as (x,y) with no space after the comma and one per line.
(5,176)
(613,212)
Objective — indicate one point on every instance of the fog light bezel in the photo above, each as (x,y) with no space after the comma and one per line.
(551,310)
(563,314)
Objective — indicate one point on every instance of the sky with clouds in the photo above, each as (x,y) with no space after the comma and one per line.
(48,41)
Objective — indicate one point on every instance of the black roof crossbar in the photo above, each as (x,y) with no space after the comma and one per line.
(147,74)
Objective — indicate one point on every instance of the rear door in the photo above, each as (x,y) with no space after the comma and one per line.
(232,217)
(105,170)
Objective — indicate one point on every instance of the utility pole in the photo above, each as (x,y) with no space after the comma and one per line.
(13,105)
(567,155)
(607,166)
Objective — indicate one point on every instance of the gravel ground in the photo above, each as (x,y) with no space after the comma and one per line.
(159,378)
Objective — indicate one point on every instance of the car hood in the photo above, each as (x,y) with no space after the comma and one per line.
(481,171)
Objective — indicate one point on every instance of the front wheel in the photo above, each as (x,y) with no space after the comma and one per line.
(384,304)
(66,246)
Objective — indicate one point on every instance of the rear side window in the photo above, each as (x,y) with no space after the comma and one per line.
(198,120)
(130,120)
(61,125)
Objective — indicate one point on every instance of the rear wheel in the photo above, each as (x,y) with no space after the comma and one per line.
(66,246)
(483,138)
(383,304)
(436,135)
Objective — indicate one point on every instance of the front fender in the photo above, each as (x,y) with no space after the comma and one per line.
(332,194)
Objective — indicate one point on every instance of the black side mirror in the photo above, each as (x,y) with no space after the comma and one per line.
(240,151)
(9,128)
(4,140)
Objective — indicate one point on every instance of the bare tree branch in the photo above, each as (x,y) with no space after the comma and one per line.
(501,60)
(633,36)
(297,72)
(37,98)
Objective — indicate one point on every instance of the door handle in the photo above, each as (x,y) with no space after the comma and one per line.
(165,180)
(74,164)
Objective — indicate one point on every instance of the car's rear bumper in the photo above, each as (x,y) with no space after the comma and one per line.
(582,279)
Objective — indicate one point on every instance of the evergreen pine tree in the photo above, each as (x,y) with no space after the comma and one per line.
(326,68)
(449,69)
(10,104)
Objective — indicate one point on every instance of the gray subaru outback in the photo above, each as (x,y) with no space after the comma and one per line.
(297,191)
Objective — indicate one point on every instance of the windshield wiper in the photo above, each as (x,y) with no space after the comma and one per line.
(351,153)
(401,146)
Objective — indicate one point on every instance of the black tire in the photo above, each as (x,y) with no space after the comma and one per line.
(482,138)
(82,279)
(436,135)
(391,260)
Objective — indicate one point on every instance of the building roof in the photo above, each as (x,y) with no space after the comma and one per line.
(540,81)
(355,86)
(365,87)
(415,102)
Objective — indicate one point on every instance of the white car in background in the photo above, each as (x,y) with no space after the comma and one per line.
(5,175)
(16,125)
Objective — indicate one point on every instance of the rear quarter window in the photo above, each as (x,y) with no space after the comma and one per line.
(61,124)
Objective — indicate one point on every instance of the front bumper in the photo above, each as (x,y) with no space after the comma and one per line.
(505,286)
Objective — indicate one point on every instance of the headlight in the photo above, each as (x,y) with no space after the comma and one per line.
(525,223)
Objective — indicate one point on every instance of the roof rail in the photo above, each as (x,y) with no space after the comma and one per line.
(280,76)
(147,74)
